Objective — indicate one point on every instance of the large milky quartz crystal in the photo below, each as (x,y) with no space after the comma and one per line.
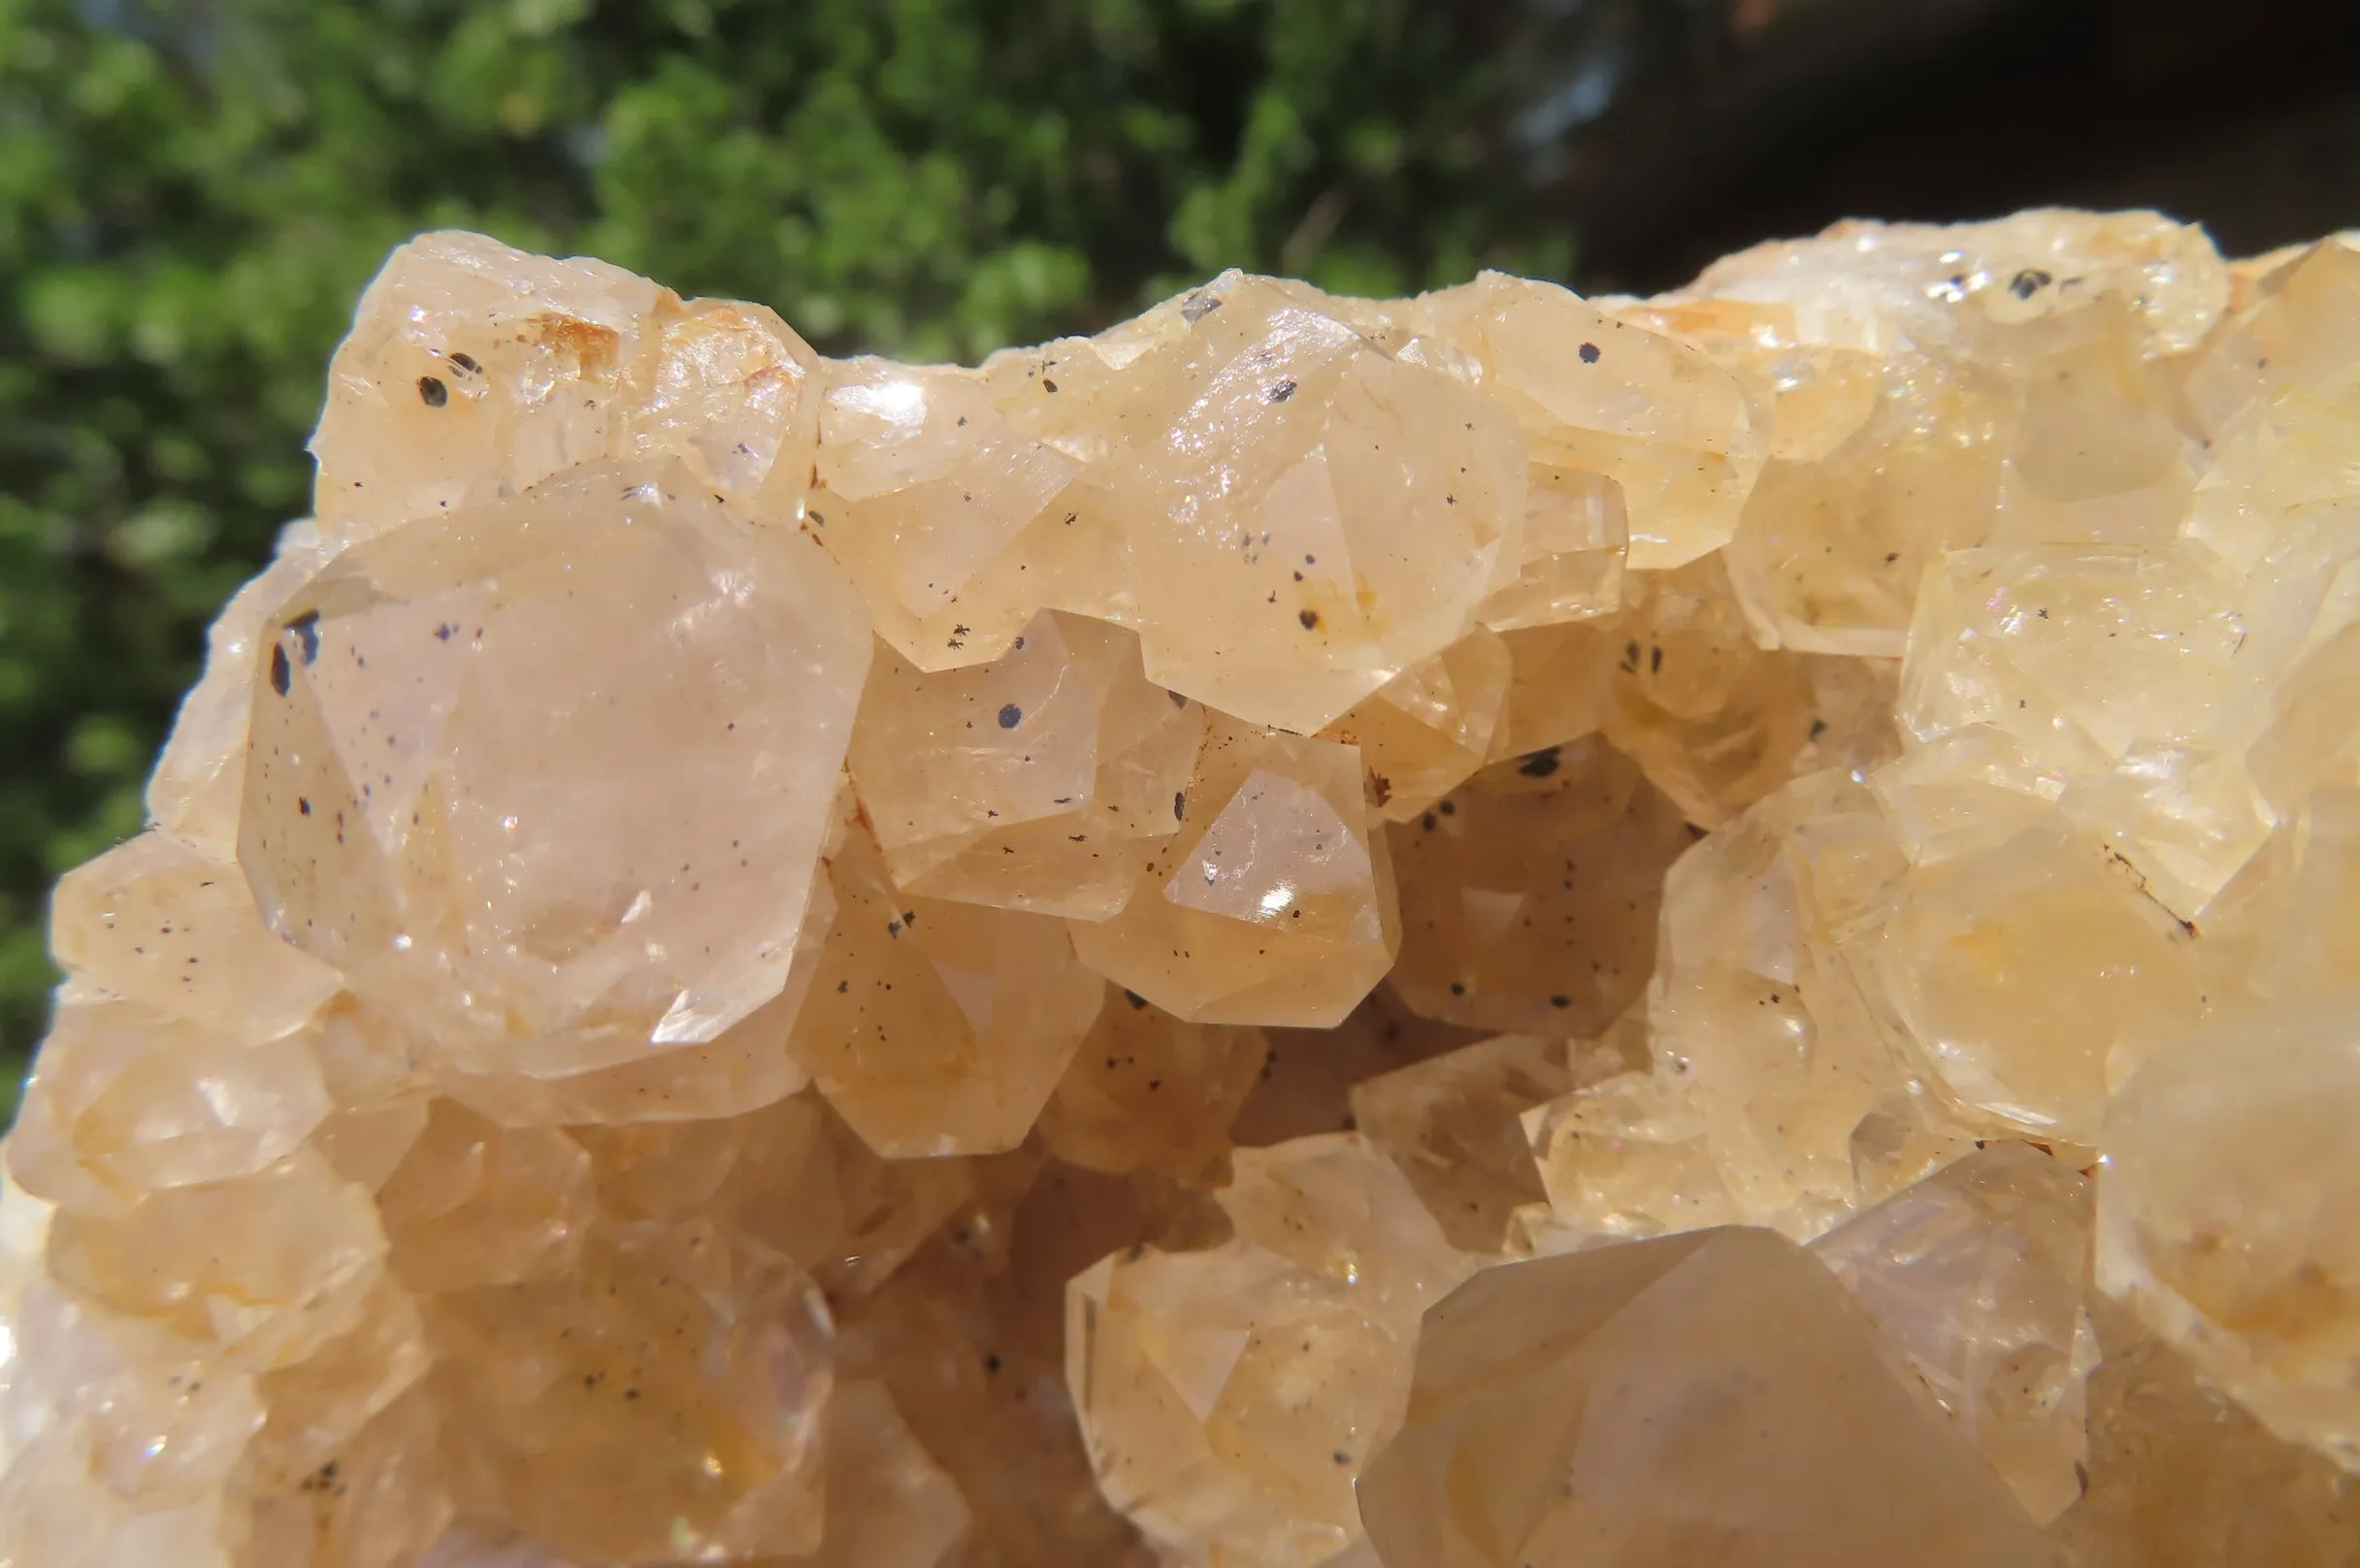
(1494,930)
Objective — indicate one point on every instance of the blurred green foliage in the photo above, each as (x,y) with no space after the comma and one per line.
(192,193)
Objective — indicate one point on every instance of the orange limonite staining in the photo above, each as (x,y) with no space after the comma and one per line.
(1494,930)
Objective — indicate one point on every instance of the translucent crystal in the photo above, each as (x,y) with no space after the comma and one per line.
(1559,681)
(2179,1474)
(473,371)
(1977,1275)
(1308,1076)
(153,923)
(1829,552)
(1453,1124)
(1275,904)
(1716,721)
(2078,653)
(291,1254)
(756,960)
(2031,975)
(1347,509)
(194,795)
(2301,333)
(430,810)
(1713,1396)
(128,1101)
(888,1504)
(1761,1019)
(921,483)
(1040,780)
(1431,726)
(933,1027)
(1533,893)
(688,1371)
(1598,395)
(1626,1158)
(967,1337)
(1148,1091)
(1228,1398)
(2227,1164)
(475,1204)
(1887,287)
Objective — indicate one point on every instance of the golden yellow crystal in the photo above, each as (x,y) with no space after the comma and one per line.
(1249,941)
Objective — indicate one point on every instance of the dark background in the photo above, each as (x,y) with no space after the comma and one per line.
(191,195)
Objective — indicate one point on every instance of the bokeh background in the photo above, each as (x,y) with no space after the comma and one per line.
(192,193)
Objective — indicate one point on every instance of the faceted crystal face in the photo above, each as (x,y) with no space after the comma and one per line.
(1805,396)
(1560,681)
(1431,726)
(475,1204)
(1308,1076)
(1715,721)
(473,371)
(128,1101)
(2180,1474)
(1624,1157)
(1041,780)
(963,1333)
(938,1028)
(888,1504)
(1148,1091)
(730,394)
(120,1442)
(755,960)
(1598,395)
(1886,287)
(151,1431)
(194,795)
(665,1398)
(1831,549)
(2301,334)
(153,923)
(1977,1275)
(1577,538)
(1275,904)
(1533,893)
(922,486)
(1707,1397)
(2031,975)
(2301,902)
(1314,514)
(1454,1125)
(1229,1397)
(744,1068)
(291,1254)
(2100,457)
(523,816)
(398,1507)
(2078,653)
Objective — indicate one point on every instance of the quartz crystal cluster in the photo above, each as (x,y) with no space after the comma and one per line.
(1492,931)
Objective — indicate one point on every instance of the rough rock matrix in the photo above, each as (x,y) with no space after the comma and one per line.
(1494,930)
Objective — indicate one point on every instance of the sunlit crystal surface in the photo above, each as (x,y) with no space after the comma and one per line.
(1229,1397)
(1493,930)
(1713,1397)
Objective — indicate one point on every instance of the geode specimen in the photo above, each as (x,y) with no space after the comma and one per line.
(1492,931)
